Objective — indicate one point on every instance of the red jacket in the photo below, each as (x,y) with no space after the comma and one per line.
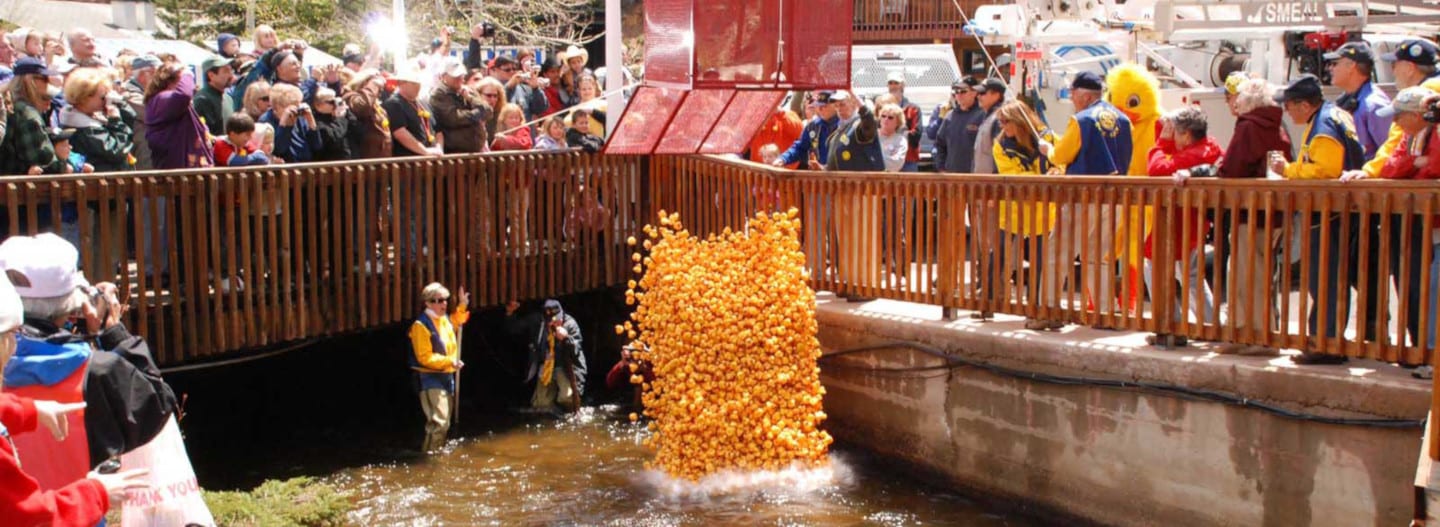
(1401,164)
(781,129)
(1165,160)
(22,502)
(517,140)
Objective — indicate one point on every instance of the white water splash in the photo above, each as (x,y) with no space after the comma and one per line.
(795,480)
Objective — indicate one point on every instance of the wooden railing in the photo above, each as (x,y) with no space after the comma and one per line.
(935,239)
(909,20)
(215,261)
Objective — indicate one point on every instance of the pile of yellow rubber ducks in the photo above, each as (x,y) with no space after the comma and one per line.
(728,324)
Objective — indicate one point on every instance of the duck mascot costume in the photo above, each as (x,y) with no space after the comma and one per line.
(1135,91)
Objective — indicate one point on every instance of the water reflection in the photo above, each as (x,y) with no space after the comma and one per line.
(589,470)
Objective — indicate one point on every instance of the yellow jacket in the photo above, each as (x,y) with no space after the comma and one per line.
(424,352)
(1013,163)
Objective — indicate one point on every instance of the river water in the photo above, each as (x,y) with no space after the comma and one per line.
(588,469)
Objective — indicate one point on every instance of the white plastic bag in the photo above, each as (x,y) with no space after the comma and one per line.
(173,498)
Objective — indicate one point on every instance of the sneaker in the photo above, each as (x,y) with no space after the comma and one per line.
(1167,341)
(982,315)
(1423,372)
(1043,325)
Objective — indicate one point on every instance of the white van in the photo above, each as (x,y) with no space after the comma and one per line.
(929,70)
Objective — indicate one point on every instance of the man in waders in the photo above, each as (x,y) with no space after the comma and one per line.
(557,361)
(436,360)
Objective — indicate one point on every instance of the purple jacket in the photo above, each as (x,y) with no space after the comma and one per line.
(173,129)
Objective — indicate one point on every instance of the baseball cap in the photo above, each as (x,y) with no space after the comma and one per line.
(31,66)
(1087,80)
(1305,87)
(47,263)
(839,95)
(991,85)
(213,62)
(964,85)
(822,97)
(455,69)
(1418,51)
(1410,100)
(895,76)
(1233,82)
(144,62)
(1356,51)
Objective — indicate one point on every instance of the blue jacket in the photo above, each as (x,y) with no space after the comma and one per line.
(955,141)
(852,154)
(1372,130)
(294,144)
(1335,123)
(1105,142)
(815,138)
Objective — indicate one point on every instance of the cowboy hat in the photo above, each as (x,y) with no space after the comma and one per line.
(574,51)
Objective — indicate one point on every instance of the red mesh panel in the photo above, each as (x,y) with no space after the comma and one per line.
(693,121)
(746,114)
(817,53)
(644,121)
(668,42)
(736,42)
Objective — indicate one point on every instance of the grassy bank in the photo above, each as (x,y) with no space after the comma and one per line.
(297,502)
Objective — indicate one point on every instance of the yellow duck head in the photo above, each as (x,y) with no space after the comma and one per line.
(1134,91)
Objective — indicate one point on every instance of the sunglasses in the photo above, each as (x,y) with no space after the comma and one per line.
(508,70)
(887,117)
(265,98)
(439,300)
(490,94)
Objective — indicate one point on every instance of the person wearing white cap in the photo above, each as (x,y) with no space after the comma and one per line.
(460,113)
(65,321)
(82,502)
(410,125)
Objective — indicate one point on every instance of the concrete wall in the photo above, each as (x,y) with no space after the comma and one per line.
(1124,457)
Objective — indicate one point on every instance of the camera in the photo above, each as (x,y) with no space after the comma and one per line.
(303,108)
(1432,111)
(487,30)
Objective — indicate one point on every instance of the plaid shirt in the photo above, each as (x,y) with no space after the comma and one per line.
(27,144)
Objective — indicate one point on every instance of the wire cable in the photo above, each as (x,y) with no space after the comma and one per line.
(953,362)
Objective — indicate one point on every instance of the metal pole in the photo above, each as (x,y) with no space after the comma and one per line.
(397,16)
(250,17)
(614,63)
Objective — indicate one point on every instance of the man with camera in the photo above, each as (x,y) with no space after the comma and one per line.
(557,361)
(522,86)
(460,113)
(74,346)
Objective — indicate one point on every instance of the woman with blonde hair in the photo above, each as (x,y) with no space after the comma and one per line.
(493,93)
(257,99)
(26,148)
(370,132)
(1017,153)
(892,136)
(102,123)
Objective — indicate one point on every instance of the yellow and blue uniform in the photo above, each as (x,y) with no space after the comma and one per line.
(1097,142)
(1330,147)
(431,332)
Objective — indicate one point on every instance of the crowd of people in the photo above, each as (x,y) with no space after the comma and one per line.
(68,109)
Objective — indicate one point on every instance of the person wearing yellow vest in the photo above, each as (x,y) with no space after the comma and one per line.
(1329,146)
(557,362)
(436,359)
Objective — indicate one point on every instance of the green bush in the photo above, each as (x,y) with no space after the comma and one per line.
(297,502)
